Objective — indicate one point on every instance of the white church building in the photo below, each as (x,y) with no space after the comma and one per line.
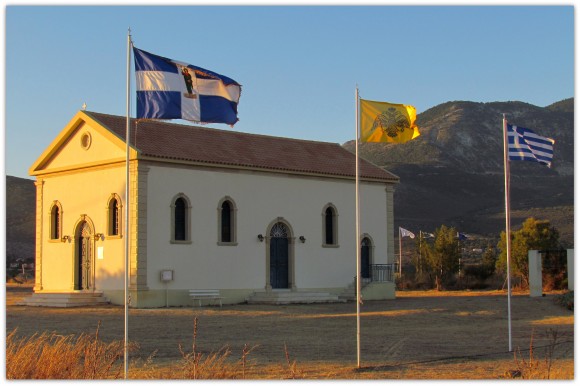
(257,218)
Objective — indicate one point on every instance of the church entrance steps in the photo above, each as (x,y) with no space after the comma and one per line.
(292,297)
(65,299)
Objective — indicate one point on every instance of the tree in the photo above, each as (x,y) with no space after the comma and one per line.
(420,256)
(489,261)
(443,256)
(534,235)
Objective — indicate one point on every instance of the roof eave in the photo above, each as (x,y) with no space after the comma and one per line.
(169,160)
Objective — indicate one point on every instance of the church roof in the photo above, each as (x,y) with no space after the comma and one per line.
(163,140)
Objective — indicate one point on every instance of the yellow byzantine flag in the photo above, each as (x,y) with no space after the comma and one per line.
(387,122)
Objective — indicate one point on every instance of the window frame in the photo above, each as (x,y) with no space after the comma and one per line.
(233,222)
(55,232)
(334,226)
(187,220)
(110,219)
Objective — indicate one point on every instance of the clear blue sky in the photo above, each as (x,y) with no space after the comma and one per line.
(298,65)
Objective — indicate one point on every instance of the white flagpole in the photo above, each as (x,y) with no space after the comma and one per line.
(357,237)
(127,216)
(420,246)
(507,225)
(400,254)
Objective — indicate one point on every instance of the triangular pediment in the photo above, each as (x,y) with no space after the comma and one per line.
(83,143)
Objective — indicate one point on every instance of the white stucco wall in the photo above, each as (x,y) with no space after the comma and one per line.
(260,198)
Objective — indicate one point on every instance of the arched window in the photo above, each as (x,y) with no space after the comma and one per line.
(180,218)
(226,222)
(114,215)
(329,226)
(56,221)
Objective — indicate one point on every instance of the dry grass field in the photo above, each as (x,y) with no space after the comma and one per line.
(419,335)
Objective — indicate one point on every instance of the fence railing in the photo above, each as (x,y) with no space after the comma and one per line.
(379,273)
(382,272)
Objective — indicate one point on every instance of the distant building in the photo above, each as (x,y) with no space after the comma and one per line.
(249,215)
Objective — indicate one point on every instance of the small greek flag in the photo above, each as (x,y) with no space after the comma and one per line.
(525,145)
(168,89)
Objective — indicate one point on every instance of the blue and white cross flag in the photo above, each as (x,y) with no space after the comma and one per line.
(525,145)
(168,89)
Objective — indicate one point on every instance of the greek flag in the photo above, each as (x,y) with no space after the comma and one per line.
(525,145)
(168,89)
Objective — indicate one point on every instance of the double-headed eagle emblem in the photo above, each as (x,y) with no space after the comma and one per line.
(392,122)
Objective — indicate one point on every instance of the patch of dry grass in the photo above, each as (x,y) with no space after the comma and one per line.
(52,356)
(534,366)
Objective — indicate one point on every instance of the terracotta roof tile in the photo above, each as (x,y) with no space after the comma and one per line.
(159,139)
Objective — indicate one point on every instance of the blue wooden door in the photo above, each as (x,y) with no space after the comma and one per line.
(279,262)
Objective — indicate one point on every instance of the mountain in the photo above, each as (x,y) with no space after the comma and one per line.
(20,218)
(453,173)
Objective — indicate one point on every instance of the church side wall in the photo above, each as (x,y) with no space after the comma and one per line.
(260,199)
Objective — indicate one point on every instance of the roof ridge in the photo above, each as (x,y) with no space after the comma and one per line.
(191,143)
(154,121)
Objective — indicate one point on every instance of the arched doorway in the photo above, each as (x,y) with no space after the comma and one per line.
(365,258)
(83,257)
(279,267)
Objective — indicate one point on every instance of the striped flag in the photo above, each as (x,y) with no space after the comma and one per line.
(168,89)
(525,145)
(406,233)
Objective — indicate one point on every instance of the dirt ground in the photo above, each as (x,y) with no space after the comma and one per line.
(419,335)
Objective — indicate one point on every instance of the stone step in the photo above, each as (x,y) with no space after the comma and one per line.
(347,297)
(65,299)
(293,297)
(349,293)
